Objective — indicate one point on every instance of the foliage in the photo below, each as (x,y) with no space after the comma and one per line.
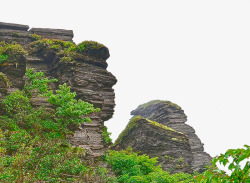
(238,175)
(66,51)
(131,167)
(16,102)
(36,37)
(33,144)
(5,79)
(3,58)
(132,123)
(106,135)
(36,80)
(93,48)
(48,48)
(12,53)
(69,110)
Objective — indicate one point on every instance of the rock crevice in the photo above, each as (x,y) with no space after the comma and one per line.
(87,76)
(172,116)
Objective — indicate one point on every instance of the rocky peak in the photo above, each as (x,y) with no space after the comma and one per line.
(172,116)
(157,140)
(84,71)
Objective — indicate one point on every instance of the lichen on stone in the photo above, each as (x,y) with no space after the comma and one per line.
(15,53)
(50,47)
(93,48)
(132,123)
(36,37)
(164,127)
(154,102)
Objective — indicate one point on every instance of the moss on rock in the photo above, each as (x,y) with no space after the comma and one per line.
(4,79)
(134,123)
(154,102)
(93,48)
(15,53)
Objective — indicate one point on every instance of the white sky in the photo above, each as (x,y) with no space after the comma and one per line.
(194,53)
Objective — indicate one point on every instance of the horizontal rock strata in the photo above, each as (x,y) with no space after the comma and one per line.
(152,138)
(87,76)
(171,115)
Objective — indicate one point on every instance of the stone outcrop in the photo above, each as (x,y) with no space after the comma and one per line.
(172,116)
(87,76)
(149,137)
(15,33)
(65,35)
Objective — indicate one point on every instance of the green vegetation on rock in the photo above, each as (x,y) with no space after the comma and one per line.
(93,48)
(4,78)
(133,123)
(154,102)
(12,53)
(164,127)
(106,136)
(233,158)
(130,167)
(33,143)
(67,51)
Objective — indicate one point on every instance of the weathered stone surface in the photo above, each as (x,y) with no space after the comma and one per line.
(171,147)
(66,35)
(20,34)
(171,115)
(87,75)
(12,26)
(92,84)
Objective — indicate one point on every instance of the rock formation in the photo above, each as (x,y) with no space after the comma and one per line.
(172,116)
(171,147)
(87,75)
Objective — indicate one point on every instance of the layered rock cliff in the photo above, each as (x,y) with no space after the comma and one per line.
(85,72)
(149,137)
(172,116)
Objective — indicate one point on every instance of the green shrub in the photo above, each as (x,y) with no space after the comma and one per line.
(3,58)
(12,53)
(16,102)
(4,79)
(36,37)
(106,135)
(33,143)
(48,48)
(131,167)
(238,175)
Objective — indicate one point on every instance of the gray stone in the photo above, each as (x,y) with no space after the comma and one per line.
(171,115)
(171,147)
(12,26)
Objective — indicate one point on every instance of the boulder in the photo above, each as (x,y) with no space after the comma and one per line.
(149,137)
(171,115)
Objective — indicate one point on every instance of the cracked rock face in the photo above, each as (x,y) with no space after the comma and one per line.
(87,76)
(171,115)
(171,147)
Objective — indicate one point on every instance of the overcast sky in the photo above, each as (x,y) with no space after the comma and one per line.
(194,53)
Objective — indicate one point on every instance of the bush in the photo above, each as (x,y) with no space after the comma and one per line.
(33,143)
(238,175)
(131,167)
(12,53)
